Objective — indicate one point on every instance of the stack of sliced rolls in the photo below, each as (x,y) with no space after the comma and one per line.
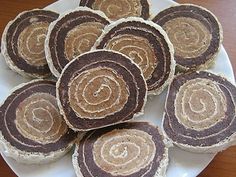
(107,57)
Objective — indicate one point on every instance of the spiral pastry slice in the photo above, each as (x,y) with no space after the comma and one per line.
(128,149)
(99,89)
(200,112)
(72,34)
(195,33)
(31,127)
(115,10)
(23,43)
(146,44)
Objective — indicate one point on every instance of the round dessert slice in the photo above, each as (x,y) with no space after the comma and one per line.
(128,149)
(100,88)
(200,112)
(23,43)
(146,44)
(72,34)
(195,33)
(115,10)
(31,127)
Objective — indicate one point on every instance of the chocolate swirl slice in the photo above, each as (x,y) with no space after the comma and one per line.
(115,10)
(146,44)
(23,43)
(31,127)
(195,33)
(200,112)
(128,149)
(74,33)
(99,89)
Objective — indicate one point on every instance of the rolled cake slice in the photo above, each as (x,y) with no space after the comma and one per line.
(127,149)
(100,88)
(23,43)
(115,10)
(200,112)
(195,33)
(147,44)
(31,127)
(72,34)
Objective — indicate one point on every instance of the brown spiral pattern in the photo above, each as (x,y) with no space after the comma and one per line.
(112,151)
(38,119)
(195,33)
(71,35)
(200,110)
(31,44)
(206,104)
(100,88)
(30,119)
(138,49)
(146,45)
(82,38)
(115,10)
(128,149)
(109,95)
(189,37)
(23,44)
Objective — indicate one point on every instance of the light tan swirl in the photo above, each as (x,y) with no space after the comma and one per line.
(81,38)
(189,36)
(97,93)
(118,9)
(38,119)
(31,43)
(124,152)
(138,49)
(200,104)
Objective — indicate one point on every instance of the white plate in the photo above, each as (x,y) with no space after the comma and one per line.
(182,163)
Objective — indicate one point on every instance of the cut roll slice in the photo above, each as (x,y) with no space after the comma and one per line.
(200,112)
(128,149)
(31,127)
(72,34)
(119,9)
(23,43)
(195,33)
(99,89)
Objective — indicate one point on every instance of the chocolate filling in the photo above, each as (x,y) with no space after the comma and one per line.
(157,41)
(85,152)
(203,16)
(8,116)
(13,33)
(144,3)
(62,28)
(206,137)
(123,67)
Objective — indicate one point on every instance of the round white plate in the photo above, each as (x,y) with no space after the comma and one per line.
(182,163)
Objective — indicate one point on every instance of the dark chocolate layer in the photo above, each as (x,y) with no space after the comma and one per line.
(216,133)
(88,166)
(8,117)
(12,36)
(123,67)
